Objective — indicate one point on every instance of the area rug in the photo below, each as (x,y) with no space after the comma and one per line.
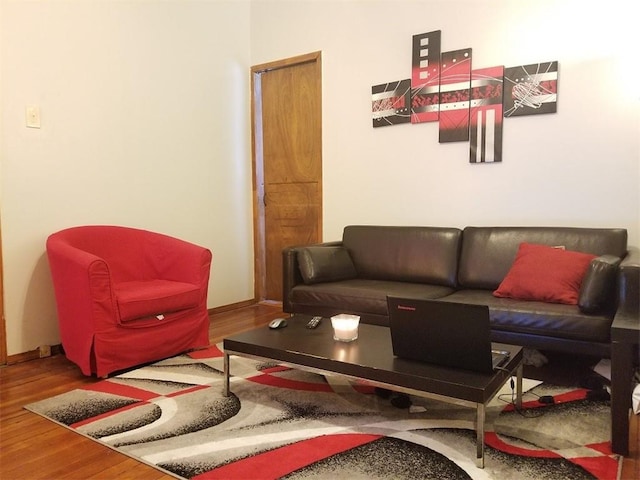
(286,423)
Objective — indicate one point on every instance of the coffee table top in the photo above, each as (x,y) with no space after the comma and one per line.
(370,357)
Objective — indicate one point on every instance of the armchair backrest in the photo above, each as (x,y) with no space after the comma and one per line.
(130,253)
(120,247)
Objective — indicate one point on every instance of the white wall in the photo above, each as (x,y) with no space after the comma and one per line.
(145,122)
(578,167)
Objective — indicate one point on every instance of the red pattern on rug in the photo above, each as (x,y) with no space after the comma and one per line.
(279,462)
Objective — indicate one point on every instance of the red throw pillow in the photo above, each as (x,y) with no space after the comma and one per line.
(545,274)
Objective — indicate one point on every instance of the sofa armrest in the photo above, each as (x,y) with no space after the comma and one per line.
(628,312)
(291,275)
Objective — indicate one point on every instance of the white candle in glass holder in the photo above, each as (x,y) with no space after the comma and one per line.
(345,327)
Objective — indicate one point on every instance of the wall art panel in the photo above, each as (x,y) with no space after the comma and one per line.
(425,77)
(391,103)
(485,129)
(531,89)
(455,82)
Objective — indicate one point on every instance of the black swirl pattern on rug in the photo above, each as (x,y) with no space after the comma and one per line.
(82,409)
(386,458)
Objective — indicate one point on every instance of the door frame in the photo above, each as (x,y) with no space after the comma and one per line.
(257,165)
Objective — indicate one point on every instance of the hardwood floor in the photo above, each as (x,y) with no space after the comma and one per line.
(33,448)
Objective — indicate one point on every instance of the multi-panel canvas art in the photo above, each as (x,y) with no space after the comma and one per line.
(468,104)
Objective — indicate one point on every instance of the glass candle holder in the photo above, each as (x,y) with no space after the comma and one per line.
(345,327)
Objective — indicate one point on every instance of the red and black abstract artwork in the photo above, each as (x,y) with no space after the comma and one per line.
(469,104)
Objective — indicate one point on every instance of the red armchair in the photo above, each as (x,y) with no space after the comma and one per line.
(126,296)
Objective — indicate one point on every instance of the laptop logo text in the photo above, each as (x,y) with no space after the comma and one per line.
(404,307)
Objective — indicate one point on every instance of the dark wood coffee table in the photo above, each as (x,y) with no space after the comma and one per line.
(371,358)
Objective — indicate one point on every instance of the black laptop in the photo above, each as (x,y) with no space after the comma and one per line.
(444,333)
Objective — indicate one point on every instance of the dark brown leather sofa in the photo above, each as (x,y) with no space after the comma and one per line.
(355,275)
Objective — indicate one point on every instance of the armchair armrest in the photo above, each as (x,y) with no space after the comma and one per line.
(84,297)
(291,275)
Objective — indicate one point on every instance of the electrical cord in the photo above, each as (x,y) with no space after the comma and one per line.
(525,412)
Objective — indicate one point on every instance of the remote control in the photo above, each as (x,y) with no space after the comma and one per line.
(314,322)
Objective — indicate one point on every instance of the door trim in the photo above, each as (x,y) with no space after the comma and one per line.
(3,324)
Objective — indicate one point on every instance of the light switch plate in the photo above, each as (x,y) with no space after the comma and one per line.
(33,116)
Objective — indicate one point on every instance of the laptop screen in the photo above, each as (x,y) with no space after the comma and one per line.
(444,333)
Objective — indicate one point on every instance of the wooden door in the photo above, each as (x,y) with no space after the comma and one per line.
(287,151)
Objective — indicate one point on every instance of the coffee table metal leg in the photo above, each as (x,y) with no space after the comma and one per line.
(480,418)
(225,391)
(519,385)
(480,435)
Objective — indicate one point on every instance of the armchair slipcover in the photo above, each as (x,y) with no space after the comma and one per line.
(126,296)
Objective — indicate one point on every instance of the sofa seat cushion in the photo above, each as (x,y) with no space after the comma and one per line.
(538,318)
(362,295)
(150,298)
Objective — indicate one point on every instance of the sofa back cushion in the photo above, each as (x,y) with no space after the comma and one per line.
(488,252)
(410,254)
(325,264)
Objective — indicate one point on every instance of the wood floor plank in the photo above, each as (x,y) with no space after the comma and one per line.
(127,468)
(33,448)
